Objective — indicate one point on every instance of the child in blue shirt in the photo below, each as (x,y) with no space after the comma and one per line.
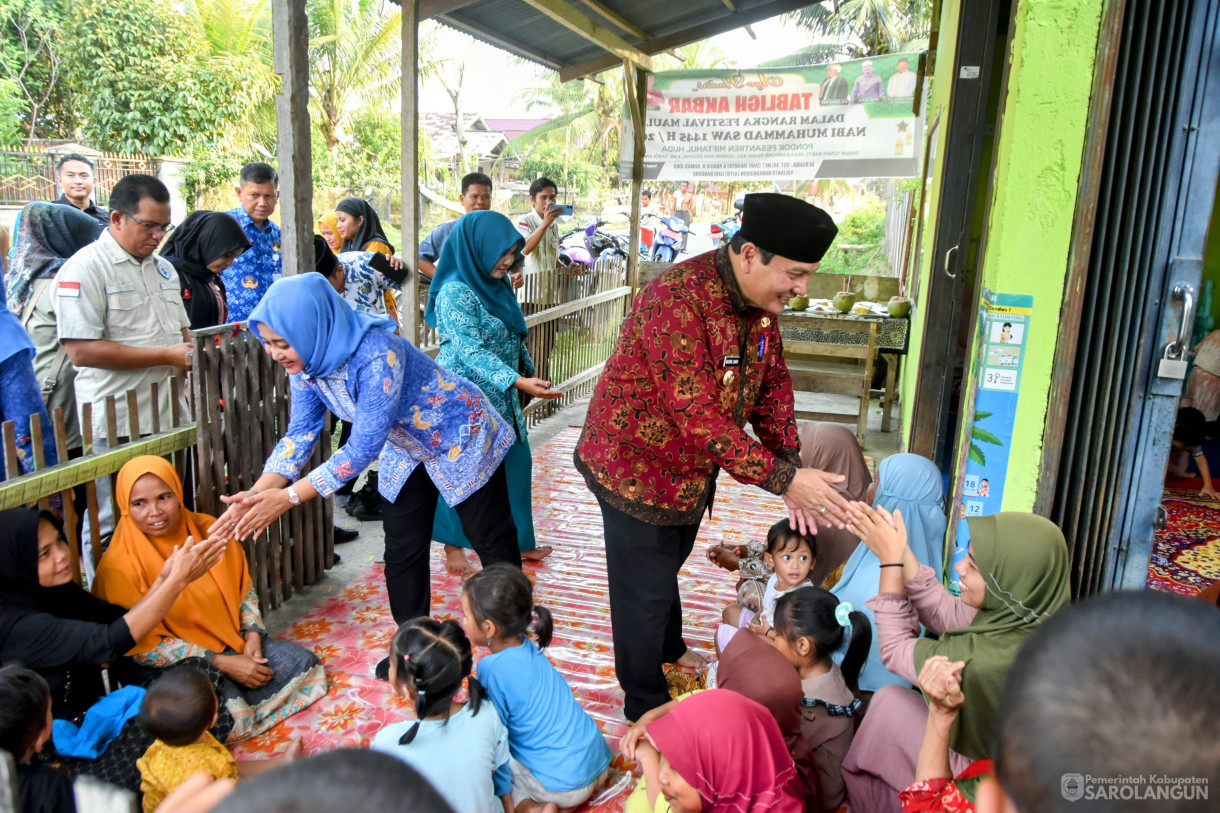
(460,748)
(559,756)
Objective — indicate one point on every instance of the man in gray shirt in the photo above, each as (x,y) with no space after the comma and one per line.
(119,312)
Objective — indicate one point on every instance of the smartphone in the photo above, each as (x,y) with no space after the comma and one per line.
(564,209)
(381,264)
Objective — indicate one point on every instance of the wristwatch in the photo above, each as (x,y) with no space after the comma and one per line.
(293,496)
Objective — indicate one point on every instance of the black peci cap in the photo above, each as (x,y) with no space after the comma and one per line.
(787,226)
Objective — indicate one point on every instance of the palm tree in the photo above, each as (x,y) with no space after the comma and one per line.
(238,33)
(354,58)
(869,27)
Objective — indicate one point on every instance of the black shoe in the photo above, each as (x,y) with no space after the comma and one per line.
(337,559)
(365,504)
(367,511)
(344,535)
(382,672)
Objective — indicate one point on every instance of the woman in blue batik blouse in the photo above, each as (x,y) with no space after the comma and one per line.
(433,433)
(483,339)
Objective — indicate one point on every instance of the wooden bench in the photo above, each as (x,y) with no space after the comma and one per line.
(835,368)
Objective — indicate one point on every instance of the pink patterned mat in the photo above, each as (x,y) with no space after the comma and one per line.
(351,632)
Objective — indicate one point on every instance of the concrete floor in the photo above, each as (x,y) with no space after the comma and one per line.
(360,553)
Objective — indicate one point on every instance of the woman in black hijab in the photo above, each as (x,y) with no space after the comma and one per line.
(200,249)
(360,227)
(52,625)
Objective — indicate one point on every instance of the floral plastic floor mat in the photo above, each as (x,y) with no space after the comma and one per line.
(351,632)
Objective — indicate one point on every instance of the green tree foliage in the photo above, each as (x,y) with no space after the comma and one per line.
(547,158)
(588,128)
(355,49)
(369,159)
(860,246)
(12,109)
(236,35)
(34,86)
(869,27)
(145,86)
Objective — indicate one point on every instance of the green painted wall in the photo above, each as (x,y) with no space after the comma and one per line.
(938,105)
(1211,257)
(1036,183)
(1034,190)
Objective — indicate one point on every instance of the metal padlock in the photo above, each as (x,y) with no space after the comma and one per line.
(1172,368)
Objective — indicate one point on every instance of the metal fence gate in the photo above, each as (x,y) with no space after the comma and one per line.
(1112,460)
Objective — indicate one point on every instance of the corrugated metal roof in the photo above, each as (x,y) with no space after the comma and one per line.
(528,32)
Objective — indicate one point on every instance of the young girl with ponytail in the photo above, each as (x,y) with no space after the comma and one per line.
(559,757)
(809,625)
(460,748)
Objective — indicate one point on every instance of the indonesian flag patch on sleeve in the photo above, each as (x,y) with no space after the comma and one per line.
(68,289)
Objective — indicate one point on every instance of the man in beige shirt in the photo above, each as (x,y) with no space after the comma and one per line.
(120,318)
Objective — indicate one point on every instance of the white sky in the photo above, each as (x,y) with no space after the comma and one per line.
(494,77)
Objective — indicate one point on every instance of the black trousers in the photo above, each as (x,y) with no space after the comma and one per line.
(642,562)
(487,521)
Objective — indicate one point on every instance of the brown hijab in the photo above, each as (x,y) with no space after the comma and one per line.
(833,447)
(752,667)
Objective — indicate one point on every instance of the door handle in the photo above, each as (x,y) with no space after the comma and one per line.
(949,261)
(1160,519)
(1177,347)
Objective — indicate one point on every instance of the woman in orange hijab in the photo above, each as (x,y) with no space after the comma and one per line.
(262,680)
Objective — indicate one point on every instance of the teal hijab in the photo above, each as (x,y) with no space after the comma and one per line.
(913,485)
(472,249)
(318,323)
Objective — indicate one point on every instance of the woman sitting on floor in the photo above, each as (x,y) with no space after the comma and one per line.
(756,669)
(830,447)
(1014,577)
(913,485)
(262,680)
(52,625)
(718,752)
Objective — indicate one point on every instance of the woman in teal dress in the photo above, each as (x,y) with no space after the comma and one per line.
(483,336)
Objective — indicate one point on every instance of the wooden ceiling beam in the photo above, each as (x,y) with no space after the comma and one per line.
(702,31)
(617,49)
(621,22)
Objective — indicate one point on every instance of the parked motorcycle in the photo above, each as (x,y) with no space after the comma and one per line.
(604,245)
(668,240)
(725,229)
(574,255)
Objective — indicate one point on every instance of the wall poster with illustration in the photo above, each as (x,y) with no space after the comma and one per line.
(1003,326)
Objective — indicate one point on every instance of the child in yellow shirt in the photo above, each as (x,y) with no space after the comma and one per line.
(178,709)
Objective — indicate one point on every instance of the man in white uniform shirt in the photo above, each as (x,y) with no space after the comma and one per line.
(119,313)
(544,286)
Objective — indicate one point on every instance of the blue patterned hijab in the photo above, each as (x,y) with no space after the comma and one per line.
(913,485)
(472,249)
(319,324)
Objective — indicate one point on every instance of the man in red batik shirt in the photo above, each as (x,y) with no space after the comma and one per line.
(698,357)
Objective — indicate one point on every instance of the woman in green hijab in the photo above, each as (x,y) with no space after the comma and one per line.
(1015,576)
(483,335)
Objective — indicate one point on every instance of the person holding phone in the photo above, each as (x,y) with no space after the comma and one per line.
(542,288)
(361,277)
